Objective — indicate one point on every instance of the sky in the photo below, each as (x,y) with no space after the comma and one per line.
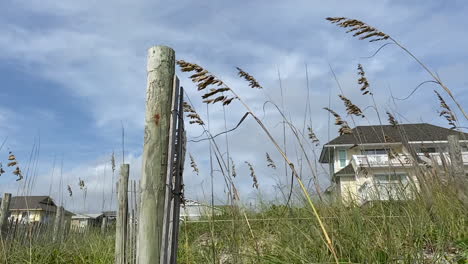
(73,73)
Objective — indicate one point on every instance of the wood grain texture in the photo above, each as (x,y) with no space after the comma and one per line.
(160,69)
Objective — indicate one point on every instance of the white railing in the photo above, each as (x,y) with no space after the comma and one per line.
(401,160)
(380,160)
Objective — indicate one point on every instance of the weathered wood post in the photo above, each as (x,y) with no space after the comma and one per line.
(458,170)
(103,225)
(122,215)
(57,223)
(160,76)
(5,207)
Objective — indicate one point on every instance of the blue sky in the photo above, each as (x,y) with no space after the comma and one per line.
(73,72)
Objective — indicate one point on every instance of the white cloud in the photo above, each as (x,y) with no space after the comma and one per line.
(96,51)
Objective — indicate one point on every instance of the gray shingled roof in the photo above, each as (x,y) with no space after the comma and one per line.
(32,202)
(373,135)
(414,132)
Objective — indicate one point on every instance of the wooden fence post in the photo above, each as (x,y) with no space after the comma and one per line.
(5,207)
(57,223)
(458,170)
(160,70)
(122,215)
(103,225)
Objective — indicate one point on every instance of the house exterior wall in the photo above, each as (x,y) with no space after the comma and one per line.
(31,216)
(361,188)
(78,224)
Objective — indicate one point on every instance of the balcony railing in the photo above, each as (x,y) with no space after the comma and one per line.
(401,160)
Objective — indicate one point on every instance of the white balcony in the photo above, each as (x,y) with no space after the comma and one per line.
(401,160)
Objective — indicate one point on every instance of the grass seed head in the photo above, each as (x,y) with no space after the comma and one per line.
(344,127)
(360,29)
(18,173)
(252,81)
(351,108)
(313,137)
(193,164)
(392,120)
(81,183)
(446,111)
(192,114)
(233,169)
(363,81)
(270,162)
(113,162)
(253,175)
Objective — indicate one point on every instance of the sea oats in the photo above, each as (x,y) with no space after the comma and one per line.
(344,127)
(392,120)
(351,108)
(312,136)
(270,162)
(360,29)
(252,82)
(193,164)
(363,81)
(70,192)
(446,112)
(203,78)
(253,175)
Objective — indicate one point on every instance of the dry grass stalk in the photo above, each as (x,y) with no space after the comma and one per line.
(446,112)
(351,108)
(235,192)
(253,175)
(392,120)
(18,173)
(203,78)
(81,183)
(192,114)
(233,169)
(344,127)
(313,137)
(363,81)
(270,162)
(193,164)
(252,81)
(375,35)
(359,28)
(113,162)
(13,162)
(70,192)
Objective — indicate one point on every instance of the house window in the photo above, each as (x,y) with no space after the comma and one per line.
(427,150)
(391,186)
(342,157)
(374,151)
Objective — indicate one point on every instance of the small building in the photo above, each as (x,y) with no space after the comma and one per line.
(81,222)
(111,216)
(28,209)
(193,210)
